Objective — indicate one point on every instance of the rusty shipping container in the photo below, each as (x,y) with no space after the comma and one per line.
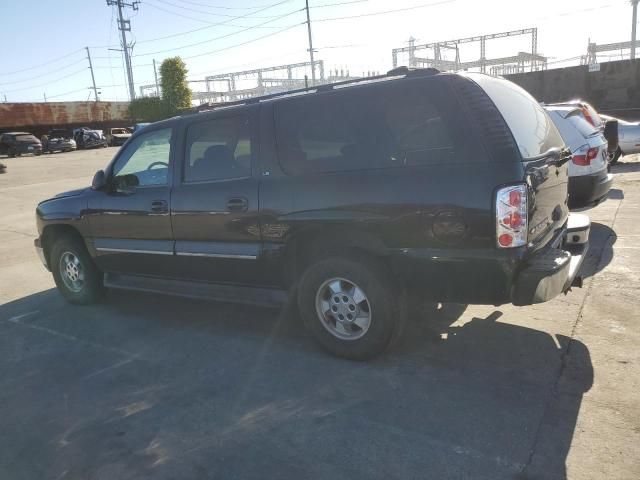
(39,117)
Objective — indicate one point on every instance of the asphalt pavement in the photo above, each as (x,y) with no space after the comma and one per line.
(153,387)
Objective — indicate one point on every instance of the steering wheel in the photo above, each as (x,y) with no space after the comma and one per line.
(156,164)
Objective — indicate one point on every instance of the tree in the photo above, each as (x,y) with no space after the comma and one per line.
(147,109)
(176,94)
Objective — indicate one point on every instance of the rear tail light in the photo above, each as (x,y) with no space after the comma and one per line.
(583,158)
(511,216)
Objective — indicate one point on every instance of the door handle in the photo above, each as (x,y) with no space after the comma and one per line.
(238,204)
(159,206)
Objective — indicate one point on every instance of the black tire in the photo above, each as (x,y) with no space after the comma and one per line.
(385,310)
(616,156)
(11,153)
(92,288)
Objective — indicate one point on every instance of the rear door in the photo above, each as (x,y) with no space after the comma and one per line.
(543,155)
(214,204)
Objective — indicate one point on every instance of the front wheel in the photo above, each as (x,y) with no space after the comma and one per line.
(74,272)
(349,307)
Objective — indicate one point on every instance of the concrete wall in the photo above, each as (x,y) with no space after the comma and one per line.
(39,117)
(613,90)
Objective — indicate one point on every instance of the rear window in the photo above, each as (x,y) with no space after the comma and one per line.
(580,123)
(533,130)
(26,138)
(383,127)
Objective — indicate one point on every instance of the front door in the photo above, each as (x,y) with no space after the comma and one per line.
(214,202)
(130,221)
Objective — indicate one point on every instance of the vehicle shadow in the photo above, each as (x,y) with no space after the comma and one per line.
(601,241)
(625,167)
(615,194)
(237,391)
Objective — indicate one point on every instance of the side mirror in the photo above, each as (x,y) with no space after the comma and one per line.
(99,180)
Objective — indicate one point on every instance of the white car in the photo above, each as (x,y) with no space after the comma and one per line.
(589,178)
(628,138)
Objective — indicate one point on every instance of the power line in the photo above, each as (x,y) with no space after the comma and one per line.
(245,43)
(415,7)
(203,12)
(66,93)
(47,83)
(216,38)
(220,6)
(225,22)
(45,74)
(44,63)
(232,67)
(337,4)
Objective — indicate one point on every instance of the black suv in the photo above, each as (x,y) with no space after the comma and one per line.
(15,144)
(347,197)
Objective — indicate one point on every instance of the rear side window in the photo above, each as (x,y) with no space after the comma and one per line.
(218,149)
(533,130)
(413,130)
(392,126)
(317,135)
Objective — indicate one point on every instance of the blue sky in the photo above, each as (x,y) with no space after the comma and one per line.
(43,45)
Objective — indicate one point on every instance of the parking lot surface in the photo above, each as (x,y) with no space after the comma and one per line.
(147,386)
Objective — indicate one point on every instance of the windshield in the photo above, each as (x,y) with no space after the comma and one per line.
(119,131)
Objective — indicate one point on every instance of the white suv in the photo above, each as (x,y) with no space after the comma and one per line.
(589,179)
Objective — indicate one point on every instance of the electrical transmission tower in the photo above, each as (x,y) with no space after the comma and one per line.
(125,26)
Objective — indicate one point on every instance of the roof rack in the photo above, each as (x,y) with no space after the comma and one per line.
(391,74)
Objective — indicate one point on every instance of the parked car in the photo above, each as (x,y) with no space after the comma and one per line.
(117,136)
(589,177)
(14,144)
(609,128)
(87,138)
(58,140)
(628,138)
(349,197)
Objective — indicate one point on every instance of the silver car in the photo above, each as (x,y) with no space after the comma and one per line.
(628,138)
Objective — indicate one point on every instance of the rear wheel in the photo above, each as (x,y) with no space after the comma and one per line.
(616,156)
(11,153)
(74,272)
(349,307)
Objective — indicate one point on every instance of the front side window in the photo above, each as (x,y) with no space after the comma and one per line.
(145,161)
(218,149)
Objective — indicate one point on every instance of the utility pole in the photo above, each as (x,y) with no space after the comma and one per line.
(93,78)
(634,3)
(313,66)
(45,96)
(125,26)
(155,74)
